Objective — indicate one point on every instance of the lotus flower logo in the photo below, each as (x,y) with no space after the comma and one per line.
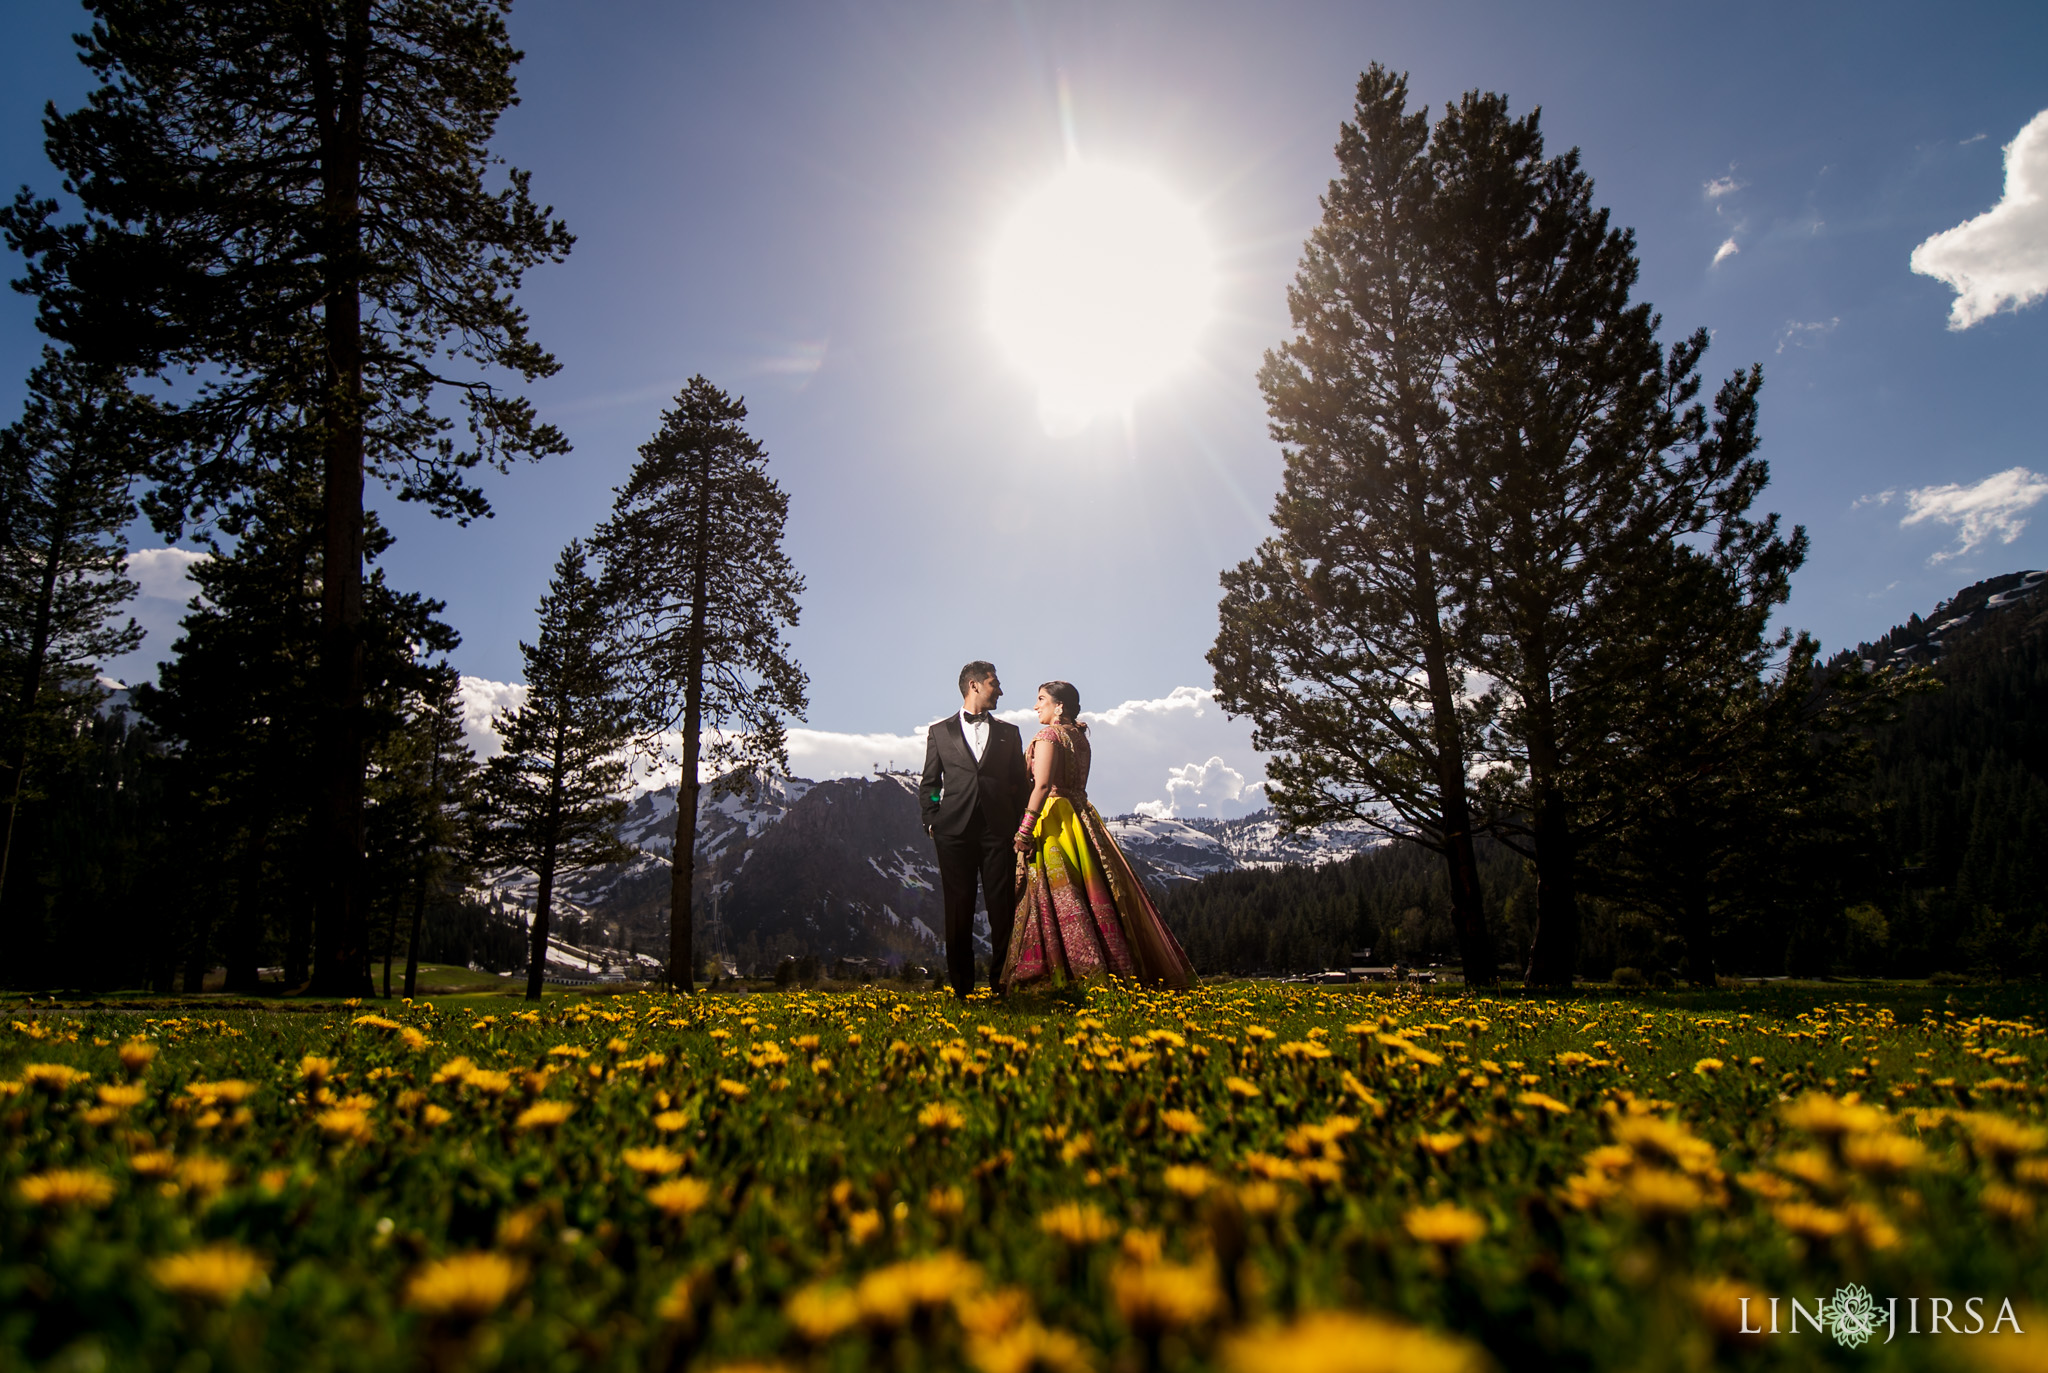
(1852,1316)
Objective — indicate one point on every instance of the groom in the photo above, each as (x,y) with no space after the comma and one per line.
(973,796)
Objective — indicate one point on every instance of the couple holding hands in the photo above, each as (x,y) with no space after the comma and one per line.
(1063,904)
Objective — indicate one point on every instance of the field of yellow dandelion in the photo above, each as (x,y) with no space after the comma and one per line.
(1242,1178)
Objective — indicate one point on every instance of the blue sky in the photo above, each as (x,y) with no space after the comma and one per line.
(799,201)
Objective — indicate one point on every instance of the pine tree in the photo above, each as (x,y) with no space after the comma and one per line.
(293,201)
(702,589)
(420,786)
(65,469)
(551,800)
(1341,637)
(1594,487)
(242,697)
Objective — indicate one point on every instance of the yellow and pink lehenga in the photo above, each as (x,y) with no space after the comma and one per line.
(1081,913)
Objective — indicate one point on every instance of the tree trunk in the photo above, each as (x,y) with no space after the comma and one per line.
(195,955)
(543,904)
(1696,927)
(1468,906)
(419,892)
(341,954)
(682,872)
(1554,951)
(245,930)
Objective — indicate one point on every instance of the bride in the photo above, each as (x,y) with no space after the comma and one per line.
(1081,913)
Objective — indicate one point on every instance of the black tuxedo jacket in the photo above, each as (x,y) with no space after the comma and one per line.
(955,786)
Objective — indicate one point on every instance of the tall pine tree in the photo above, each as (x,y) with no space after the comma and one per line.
(1593,488)
(1341,637)
(552,800)
(295,203)
(702,590)
(65,471)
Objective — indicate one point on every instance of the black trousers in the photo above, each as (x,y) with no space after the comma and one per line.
(986,854)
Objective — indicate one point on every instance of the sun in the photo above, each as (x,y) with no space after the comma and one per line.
(1102,284)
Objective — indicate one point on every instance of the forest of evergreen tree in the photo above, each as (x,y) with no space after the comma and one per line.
(1957,879)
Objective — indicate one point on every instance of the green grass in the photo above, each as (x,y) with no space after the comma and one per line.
(1110,1179)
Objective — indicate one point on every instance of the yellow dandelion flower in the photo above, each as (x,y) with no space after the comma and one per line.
(889,1296)
(378,1021)
(1241,1088)
(946,1202)
(413,1038)
(1660,1192)
(544,1115)
(2007,1203)
(345,1122)
(987,1315)
(218,1273)
(1820,1114)
(464,1285)
(1189,1182)
(136,1056)
(488,1081)
(1030,1348)
(820,1312)
(1812,1222)
(66,1187)
(1182,1122)
(228,1092)
(568,1051)
(655,1160)
(123,1096)
(153,1163)
(454,1070)
(1260,1198)
(1076,1223)
(432,1115)
(862,1226)
(2002,1138)
(736,1090)
(682,1197)
(1442,1145)
(1344,1342)
(670,1121)
(51,1077)
(1883,1155)
(1707,1066)
(941,1116)
(1446,1223)
(1156,1297)
(205,1174)
(316,1069)
(1543,1102)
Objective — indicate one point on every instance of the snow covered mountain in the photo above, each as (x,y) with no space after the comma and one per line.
(844,868)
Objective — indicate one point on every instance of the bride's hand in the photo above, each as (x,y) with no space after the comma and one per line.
(1023,844)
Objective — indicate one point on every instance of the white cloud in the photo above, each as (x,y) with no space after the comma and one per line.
(1136,745)
(161,572)
(1723,186)
(483,698)
(1999,260)
(1202,787)
(1727,250)
(1990,509)
(1874,498)
(1798,335)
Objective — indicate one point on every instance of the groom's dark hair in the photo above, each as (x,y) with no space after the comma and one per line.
(975,672)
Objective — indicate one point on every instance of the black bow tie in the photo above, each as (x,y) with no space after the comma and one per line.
(973,719)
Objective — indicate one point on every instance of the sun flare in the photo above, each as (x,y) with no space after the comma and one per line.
(1102,284)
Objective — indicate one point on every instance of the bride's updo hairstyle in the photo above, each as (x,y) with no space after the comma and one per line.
(1069,699)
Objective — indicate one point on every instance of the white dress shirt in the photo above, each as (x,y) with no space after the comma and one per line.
(976,734)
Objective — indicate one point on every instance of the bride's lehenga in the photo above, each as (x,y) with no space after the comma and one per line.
(1081,913)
